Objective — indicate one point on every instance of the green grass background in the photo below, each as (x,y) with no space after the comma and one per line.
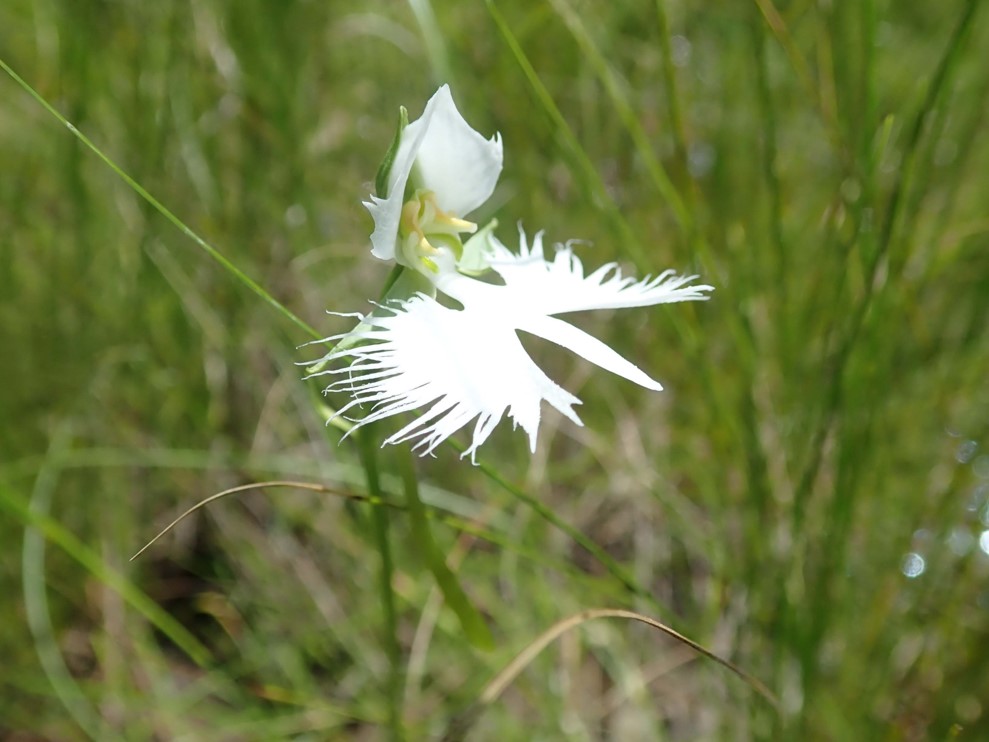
(823,433)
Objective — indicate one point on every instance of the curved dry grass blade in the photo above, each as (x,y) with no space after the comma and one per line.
(253,486)
(460,725)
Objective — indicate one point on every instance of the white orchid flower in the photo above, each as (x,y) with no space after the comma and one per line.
(460,365)
(412,353)
(438,171)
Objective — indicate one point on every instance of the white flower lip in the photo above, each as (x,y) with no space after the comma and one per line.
(468,364)
(461,365)
(438,152)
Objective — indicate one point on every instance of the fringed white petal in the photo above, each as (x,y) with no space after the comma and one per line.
(559,285)
(457,366)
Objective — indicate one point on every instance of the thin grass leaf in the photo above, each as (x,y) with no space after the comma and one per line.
(937,88)
(432,38)
(35,590)
(619,99)
(589,176)
(217,256)
(550,516)
(778,26)
(94,564)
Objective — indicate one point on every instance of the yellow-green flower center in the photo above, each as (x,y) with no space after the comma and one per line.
(424,228)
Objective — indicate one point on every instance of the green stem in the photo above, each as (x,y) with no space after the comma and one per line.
(379,522)
(475,629)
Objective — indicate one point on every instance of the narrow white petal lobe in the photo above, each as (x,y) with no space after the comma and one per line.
(589,348)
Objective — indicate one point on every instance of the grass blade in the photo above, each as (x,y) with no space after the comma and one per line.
(215,254)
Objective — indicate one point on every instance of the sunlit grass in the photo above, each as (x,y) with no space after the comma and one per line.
(822,436)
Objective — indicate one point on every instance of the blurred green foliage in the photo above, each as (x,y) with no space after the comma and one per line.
(807,498)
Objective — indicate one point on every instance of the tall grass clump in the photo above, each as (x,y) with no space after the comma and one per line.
(807,502)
